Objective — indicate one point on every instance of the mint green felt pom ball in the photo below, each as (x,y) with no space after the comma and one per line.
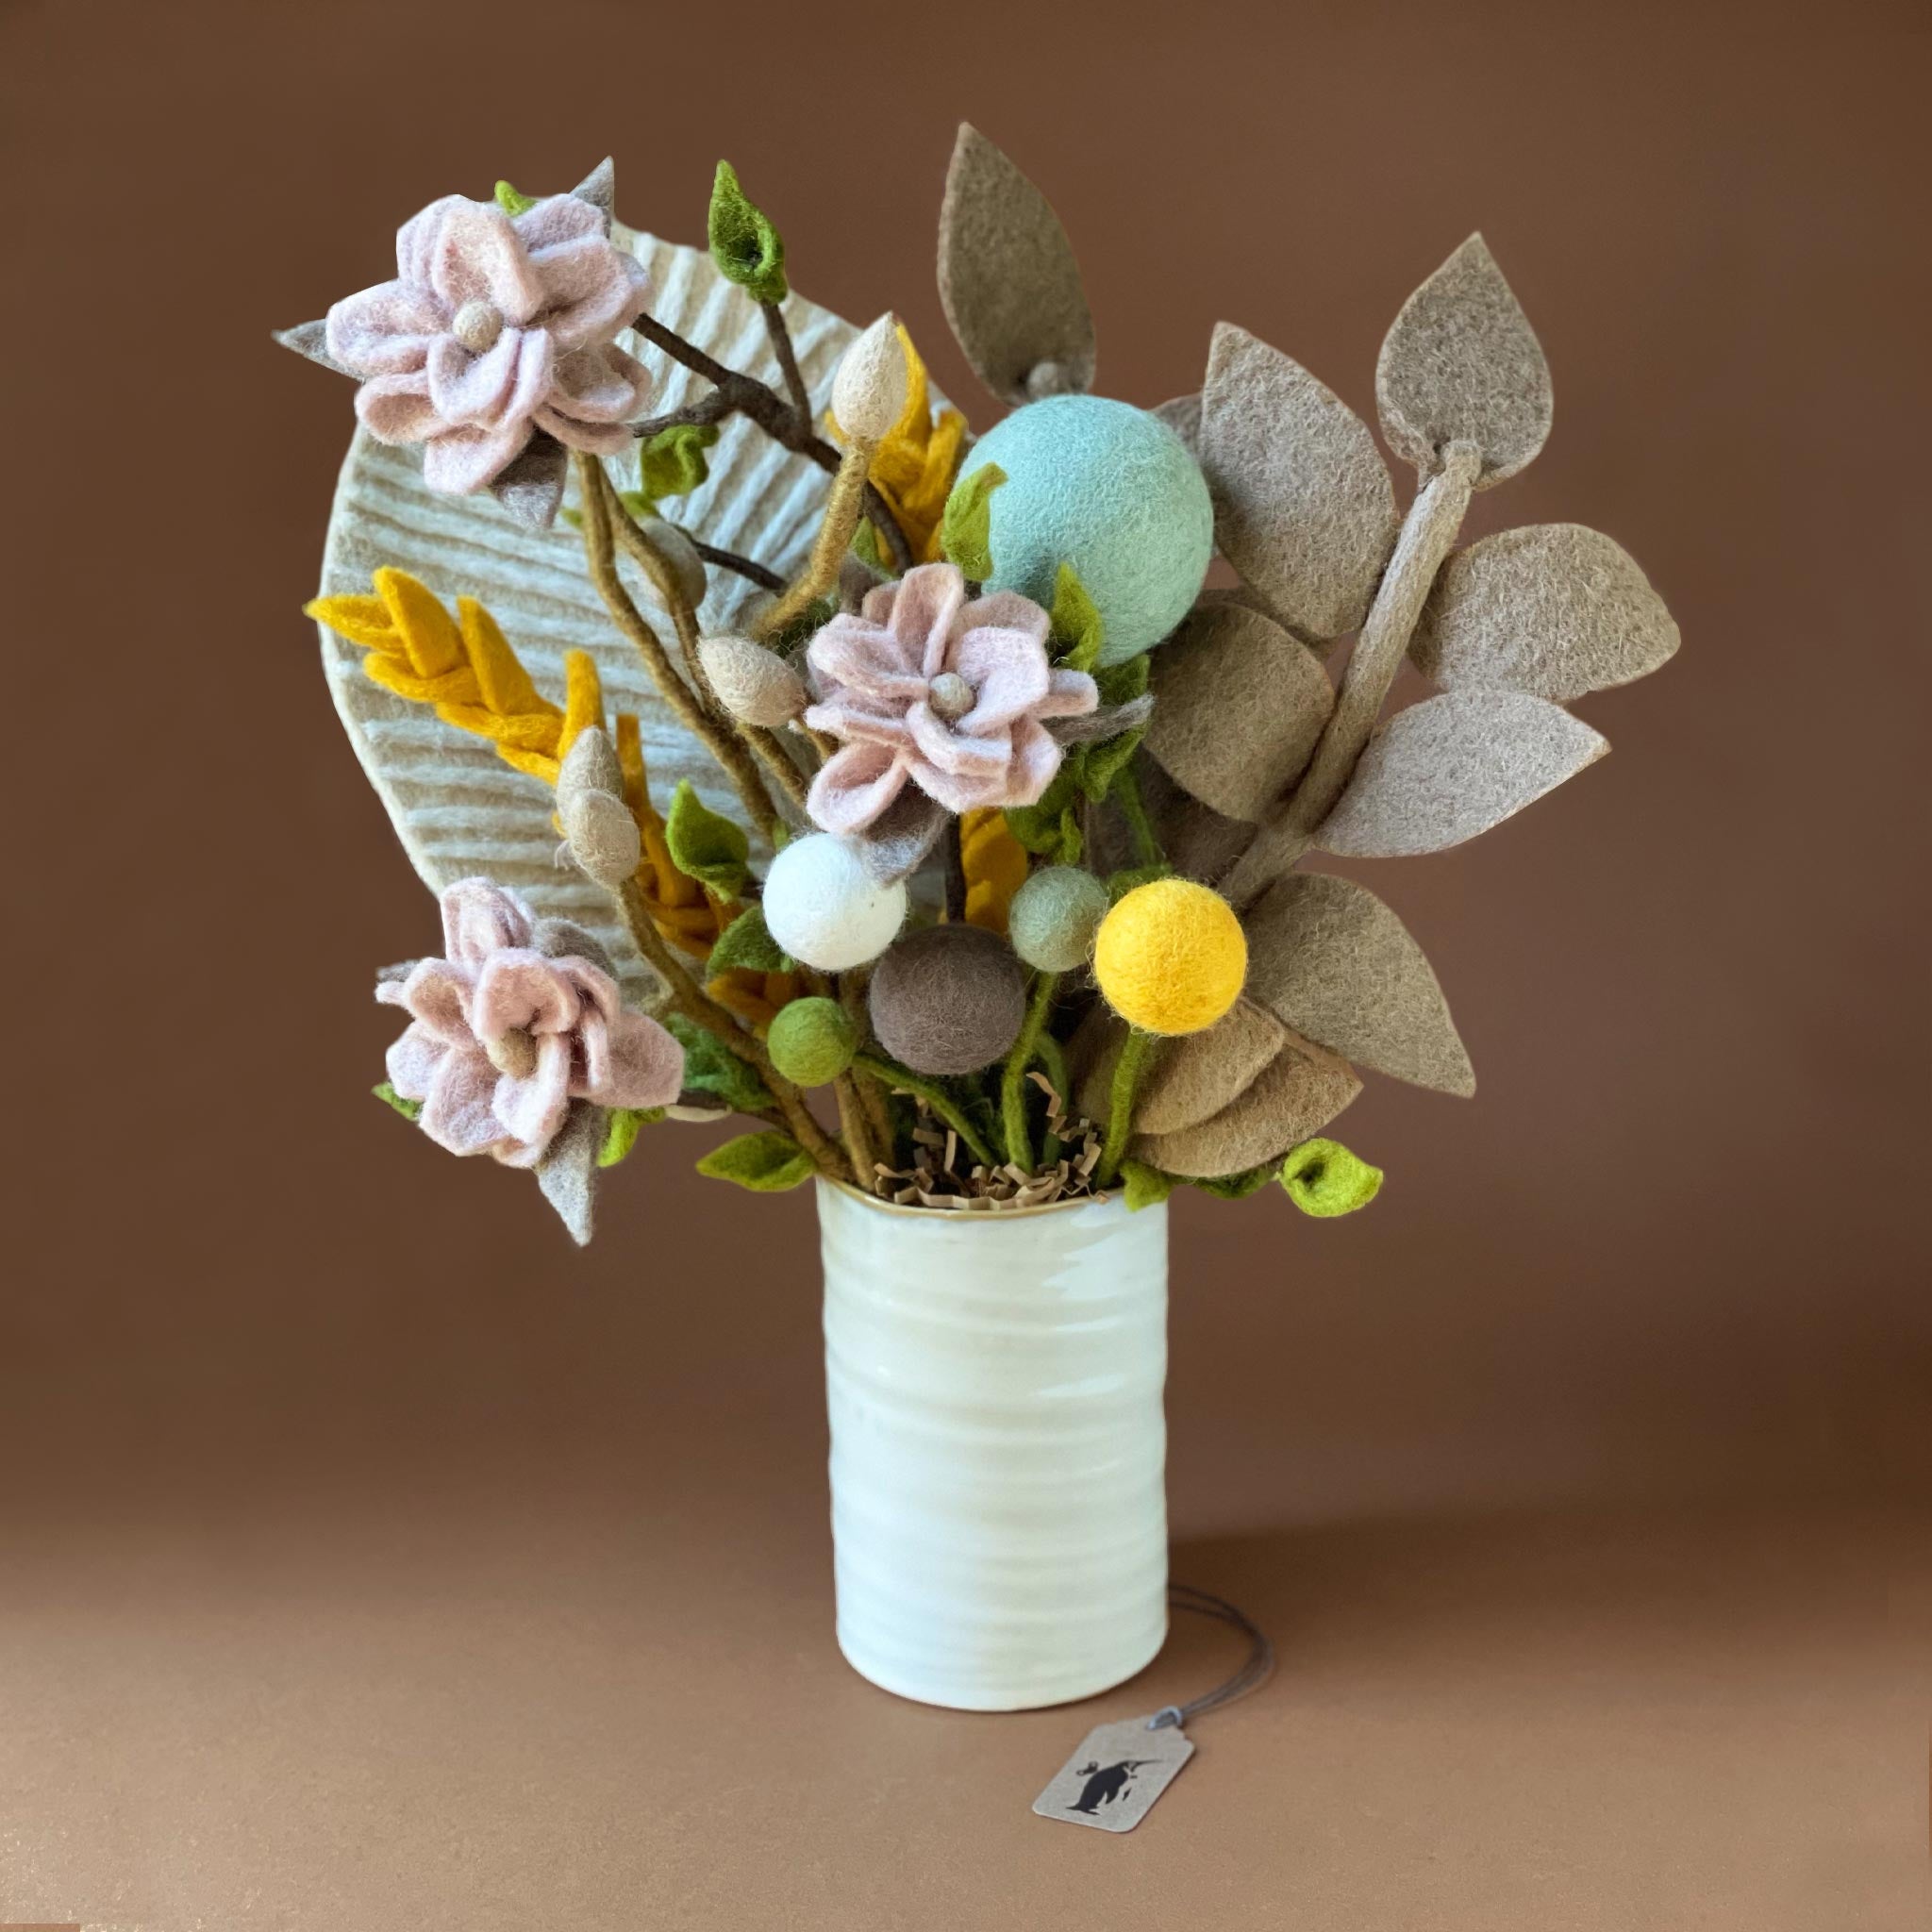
(1109,489)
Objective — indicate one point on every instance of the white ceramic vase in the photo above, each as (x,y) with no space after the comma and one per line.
(999,1512)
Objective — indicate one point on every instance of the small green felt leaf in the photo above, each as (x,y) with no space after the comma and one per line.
(1237,1187)
(1121,684)
(621,1136)
(1077,629)
(711,1067)
(674,463)
(1052,827)
(745,244)
(1120,884)
(705,846)
(1146,1185)
(966,527)
(389,1097)
(746,943)
(767,1163)
(1324,1178)
(869,551)
(807,624)
(510,202)
(1106,762)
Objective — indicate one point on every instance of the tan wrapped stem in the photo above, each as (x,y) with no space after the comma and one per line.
(844,506)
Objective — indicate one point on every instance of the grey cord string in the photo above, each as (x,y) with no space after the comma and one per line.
(1253,1674)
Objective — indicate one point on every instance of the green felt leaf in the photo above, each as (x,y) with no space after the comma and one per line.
(1146,1185)
(1077,630)
(1104,763)
(711,1067)
(674,463)
(1120,884)
(1237,1187)
(745,942)
(869,550)
(1119,684)
(745,244)
(705,845)
(389,1097)
(510,202)
(807,624)
(767,1163)
(621,1135)
(1324,1178)
(1052,827)
(966,526)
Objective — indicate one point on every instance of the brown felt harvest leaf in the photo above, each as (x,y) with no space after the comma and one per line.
(1238,704)
(1295,1096)
(1197,1075)
(1461,363)
(1555,609)
(1199,843)
(1182,414)
(568,1171)
(1336,964)
(1444,770)
(1302,506)
(1008,280)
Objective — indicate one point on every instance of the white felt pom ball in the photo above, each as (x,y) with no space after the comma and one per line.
(823,909)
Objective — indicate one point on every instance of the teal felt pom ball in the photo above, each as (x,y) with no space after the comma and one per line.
(1109,489)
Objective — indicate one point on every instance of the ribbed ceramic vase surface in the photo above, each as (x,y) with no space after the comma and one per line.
(999,1511)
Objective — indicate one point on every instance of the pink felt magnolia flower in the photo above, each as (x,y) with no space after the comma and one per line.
(920,684)
(495,326)
(513,1026)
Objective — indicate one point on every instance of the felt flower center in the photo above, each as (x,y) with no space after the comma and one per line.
(951,696)
(477,325)
(513,1052)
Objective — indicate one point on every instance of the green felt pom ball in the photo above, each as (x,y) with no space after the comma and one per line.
(1109,489)
(1053,917)
(812,1042)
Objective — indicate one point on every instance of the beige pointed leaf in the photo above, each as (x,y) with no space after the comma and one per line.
(1238,707)
(1302,506)
(1333,963)
(1299,1091)
(1198,842)
(1444,770)
(1202,1073)
(1182,414)
(1555,609)
(1462,363)
(1008,280)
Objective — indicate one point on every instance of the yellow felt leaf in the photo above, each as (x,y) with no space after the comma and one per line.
(504,683)
(429,635)
(583,699)
(363,620)
(996,866)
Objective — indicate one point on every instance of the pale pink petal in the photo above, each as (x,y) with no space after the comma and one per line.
(590,290)
(459,460)
(854,786)
(630,1061)
(957,793)
(1069,694)
(478,916)
(418,237)
(594,439)
(1006,610)
(954,751)
(531,1106)
(1007,669)
(517,989)
(557,218)
(857,723)
(412,1060)
(596,992)
(929,598)
(397,409)
(386,330)
(467,388)
(477,257)
(866,657)
(1036,760)
(437,996)
(456,1112)
(600,385)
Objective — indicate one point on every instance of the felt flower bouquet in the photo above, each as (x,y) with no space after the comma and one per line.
(988,893)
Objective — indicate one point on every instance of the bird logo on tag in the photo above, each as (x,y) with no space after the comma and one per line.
(1112,1781)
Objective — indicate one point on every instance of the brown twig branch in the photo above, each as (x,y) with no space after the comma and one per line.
(747,568)
(788,361)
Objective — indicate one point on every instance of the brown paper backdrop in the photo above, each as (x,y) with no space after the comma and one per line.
(1675,1249)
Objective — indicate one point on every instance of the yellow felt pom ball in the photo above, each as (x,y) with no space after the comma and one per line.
(1171,957)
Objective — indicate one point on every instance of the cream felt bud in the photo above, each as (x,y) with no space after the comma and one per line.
(868,392)
(754,684)
(680,554)
(597,825)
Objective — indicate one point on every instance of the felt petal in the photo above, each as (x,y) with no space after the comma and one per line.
(601,385)
(456,1113)
(437,996)
(854,786)
(1035,760)
(1073,695)
(859,723)
(478,916)
(397,409)
(953,750)
(461,461)
(594,438)
(416,239)
(465,388)
(926,600)
(477,255)
(521,989)
(590,290)
(384,331)
(531,1106)
(557,219)
(630,1061)
(412,1060)
(1007,610)
(868,657)
(959,794)
(1008,671)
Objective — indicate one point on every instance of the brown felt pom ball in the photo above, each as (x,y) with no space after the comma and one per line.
(948,1000)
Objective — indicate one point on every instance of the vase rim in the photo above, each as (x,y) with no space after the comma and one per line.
(997,1216)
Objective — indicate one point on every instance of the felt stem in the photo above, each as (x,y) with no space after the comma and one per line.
(935,1096)
(1120,1107)
(871,1095)
(1428,532)
(788,361)
(684,617)
(752,570)
(1013,1080)
(843,508)
(719,740)
(1127,796)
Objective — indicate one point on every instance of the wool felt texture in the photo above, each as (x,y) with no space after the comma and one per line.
(1055,916)
(567,1175)
(676,550)
(1238,704)
(823,908)
(994,863)
(1328,957)
(1295,1096)
(1009,281)
(1199,843)
(599,188)
(868,392)
(753,683)
(622,1126)
(947,1000)
(747,944)
(1144,1185)
(1555,609)
(899,840)
(1182,414)
(745,244)
(1324,1178)
(768,1163)
(1452,766)
(1460,362)
(1303,509)
(497,326)
(671,463)
(1171,957)
(1196,1077)
(916,460)
(813,1041)
(927,686)
(530,486)
(1109,491)
(598,826)
(966,527)
(705,844)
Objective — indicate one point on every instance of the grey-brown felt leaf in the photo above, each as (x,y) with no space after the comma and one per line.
(1237,705)
(1554,609)
(1330,961)
(1008,280)
(568,1171)
(1302,506)
(1202,1073)
(1462,363)
(1444,770)
(1182,414)
(1296,1094)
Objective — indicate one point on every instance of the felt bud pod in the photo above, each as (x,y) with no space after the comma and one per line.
(868,392)
(813,1041)
(754,684)
(597,824)
(676,547)
(823,908)
(948,1000)
(1171,957)
(1053,917)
